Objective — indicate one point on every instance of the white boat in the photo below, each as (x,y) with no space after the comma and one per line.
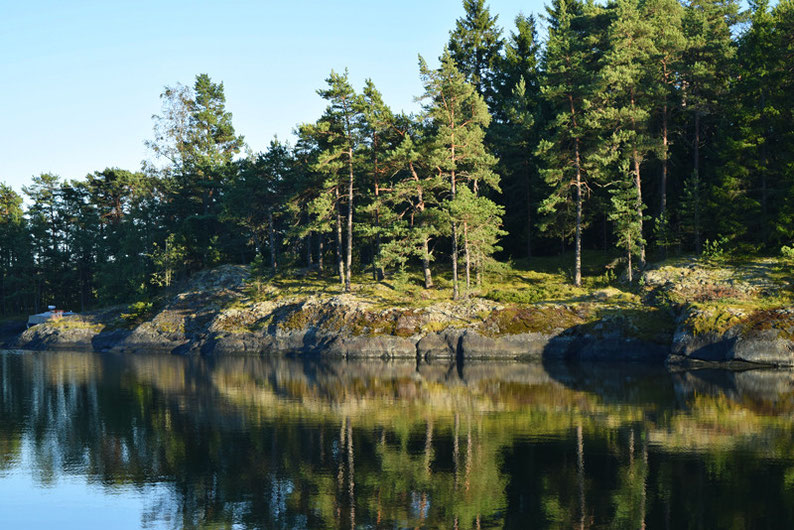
(51,313)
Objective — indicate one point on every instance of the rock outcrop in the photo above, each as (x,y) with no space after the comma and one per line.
(687,312)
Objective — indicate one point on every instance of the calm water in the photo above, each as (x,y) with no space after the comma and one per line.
(109,441)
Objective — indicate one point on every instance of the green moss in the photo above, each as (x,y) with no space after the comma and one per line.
(435,326)
(75,322)
(712,319)
(647,324)
(771,319)
(537,319)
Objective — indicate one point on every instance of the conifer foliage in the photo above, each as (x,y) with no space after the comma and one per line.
(642,127)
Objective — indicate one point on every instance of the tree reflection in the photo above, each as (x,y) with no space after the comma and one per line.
(278,443)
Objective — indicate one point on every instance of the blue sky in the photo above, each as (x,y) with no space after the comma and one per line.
(81,80)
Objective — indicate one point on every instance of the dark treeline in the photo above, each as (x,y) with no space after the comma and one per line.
(650,126)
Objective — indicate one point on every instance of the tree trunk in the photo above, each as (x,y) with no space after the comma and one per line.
(529,211)
(577,268)
(764,163)
(467,254)
(340,264)
(663,200)
(349,260)
(426,263)
(454,244)
(628,254)
(420,206)
(320,237)
(577,271)
(696,177)
(271,235)
(638,184)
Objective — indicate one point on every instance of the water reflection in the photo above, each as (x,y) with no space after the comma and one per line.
(281,443)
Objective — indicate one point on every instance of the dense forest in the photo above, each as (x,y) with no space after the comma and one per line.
(649,126)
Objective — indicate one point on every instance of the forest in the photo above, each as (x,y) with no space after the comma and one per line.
(642,128)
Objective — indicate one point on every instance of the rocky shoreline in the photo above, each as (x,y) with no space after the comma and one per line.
(686,317)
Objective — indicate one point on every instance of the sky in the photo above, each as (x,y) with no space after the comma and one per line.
(81,79)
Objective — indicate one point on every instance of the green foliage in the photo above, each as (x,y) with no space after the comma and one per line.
(581,123)
(138,312)
(714,250)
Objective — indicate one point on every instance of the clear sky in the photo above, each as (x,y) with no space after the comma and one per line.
(81,79)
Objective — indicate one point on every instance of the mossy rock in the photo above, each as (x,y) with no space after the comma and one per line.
(780,320)
(533,319)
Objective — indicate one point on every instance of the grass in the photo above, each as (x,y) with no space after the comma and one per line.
(521,282)
(75,322)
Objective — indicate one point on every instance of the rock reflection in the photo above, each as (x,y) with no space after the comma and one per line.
(295,444)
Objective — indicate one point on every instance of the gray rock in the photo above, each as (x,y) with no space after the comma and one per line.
(441,345)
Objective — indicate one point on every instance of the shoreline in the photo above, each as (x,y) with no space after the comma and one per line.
(672,320)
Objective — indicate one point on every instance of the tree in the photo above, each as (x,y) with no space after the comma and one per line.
(665,18)
(195,134)
(338,135)
(474,45)
(625,100)
(378,138)
(706,75)
(15,257)
(565,85)
(415,197)
(459,116)
(46,229)
(254,199)
(516,134)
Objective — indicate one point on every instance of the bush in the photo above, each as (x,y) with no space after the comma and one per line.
(714,250)
(138,312)
(787,252)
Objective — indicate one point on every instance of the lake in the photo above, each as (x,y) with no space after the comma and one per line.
(130,441)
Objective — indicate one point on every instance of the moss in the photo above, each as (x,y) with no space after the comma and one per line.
(643,323)
(435,326)
(771,319)
(538,319)
(170,327)
(713,319)
(75,322)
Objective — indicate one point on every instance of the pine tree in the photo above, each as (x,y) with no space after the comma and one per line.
(627,225)
(338,135)
(665,18)
(378,138)
(414,199)
(625,102)
(195,134)
(459,116)
(15,253)
(565,85)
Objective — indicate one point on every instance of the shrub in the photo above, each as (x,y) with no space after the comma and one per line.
(138,312)
(714,250)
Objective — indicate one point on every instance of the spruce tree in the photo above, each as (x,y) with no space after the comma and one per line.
(516,133)
(705,79)
(475,44)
